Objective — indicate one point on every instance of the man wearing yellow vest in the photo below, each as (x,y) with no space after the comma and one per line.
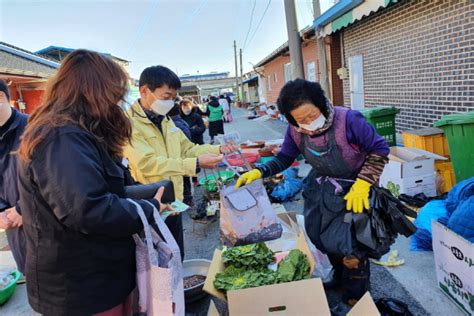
(159,150)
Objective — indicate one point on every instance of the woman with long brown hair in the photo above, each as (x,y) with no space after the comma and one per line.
(79,226)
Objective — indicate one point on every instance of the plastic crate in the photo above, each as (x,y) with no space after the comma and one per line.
(429,139)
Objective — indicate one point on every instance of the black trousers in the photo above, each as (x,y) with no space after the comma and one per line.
(175,225)
(187,191)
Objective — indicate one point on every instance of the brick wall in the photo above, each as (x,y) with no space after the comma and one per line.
(276,66)
(418,55)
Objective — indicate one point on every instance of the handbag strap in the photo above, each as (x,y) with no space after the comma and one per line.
(146,229)
(164,230)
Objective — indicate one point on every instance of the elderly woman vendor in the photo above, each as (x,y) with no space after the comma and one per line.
(347,157)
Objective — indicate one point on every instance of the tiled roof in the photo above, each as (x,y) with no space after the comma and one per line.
(15,60)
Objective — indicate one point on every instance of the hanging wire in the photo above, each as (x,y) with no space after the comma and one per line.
(142,28)
(250,24)
(259,22)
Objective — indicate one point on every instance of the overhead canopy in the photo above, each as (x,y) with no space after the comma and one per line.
(253,79)
(346,12)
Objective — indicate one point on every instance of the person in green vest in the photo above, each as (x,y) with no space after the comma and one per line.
(215,112)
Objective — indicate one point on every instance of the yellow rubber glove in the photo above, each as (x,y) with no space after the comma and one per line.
(358,196)
(248,177)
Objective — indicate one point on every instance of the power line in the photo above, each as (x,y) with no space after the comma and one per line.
(188,21)
(259,22)
(251,20)
(141,29)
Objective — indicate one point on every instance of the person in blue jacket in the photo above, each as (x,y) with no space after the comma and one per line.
(12,125)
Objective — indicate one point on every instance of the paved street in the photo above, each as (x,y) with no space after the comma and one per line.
(414,283)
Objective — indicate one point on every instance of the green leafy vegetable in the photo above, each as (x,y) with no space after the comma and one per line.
(293,268)
(249,256)
(234,278)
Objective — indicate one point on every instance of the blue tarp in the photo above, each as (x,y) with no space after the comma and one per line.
(289,187)
(456,212)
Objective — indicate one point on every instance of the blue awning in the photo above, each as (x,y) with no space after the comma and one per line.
(339,9)
(251,79)
(347,12)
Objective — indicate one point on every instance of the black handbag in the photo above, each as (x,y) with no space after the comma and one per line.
(148,191)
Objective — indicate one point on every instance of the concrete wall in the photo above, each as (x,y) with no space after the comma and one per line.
(418,56)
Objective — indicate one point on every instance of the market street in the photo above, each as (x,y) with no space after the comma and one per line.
(202,243)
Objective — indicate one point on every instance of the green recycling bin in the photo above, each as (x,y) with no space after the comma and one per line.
(459,129)
(383,120)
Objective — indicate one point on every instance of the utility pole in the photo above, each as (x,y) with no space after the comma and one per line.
(242,81)
(236,69)
(321,52)
(294,40)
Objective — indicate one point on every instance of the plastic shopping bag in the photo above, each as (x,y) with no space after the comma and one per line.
(323,268)
(247,215)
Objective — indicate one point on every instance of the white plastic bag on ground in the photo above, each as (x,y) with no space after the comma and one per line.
(323,268)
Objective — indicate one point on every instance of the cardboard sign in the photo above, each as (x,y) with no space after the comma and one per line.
(305,297)
(454,259)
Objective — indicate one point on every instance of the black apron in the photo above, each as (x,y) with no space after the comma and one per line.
(328,223)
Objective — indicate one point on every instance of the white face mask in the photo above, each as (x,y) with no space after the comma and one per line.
(162,107)
(314,125)
(187,111)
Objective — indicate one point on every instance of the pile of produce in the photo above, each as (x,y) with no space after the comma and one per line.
(253,256)
(293,268)
(248,266)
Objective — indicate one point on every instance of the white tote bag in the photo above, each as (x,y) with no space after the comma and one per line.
(159,269)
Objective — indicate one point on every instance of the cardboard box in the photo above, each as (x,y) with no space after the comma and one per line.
(364,307)
(305,297)
(454,259)
(410,171)
(212,310)
(217,266)
(410,186)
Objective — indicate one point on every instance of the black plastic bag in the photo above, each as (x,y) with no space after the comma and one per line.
(378,228)
(392,307)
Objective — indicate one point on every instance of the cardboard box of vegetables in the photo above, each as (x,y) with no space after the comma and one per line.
(254,280)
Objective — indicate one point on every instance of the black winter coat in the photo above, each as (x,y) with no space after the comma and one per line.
(80,250)
(9,142)
(196,126)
